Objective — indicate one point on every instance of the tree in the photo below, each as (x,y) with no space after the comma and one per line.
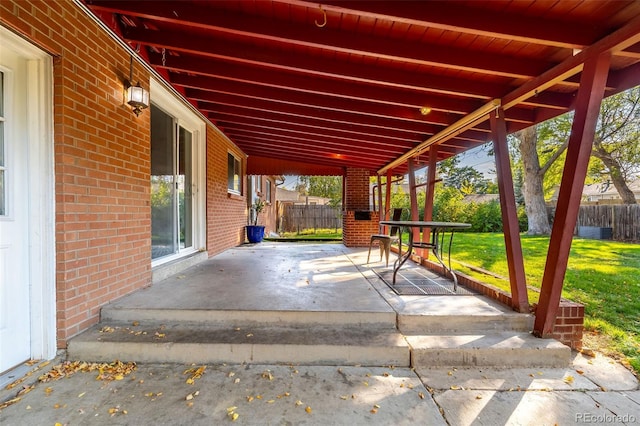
(533,172)
(465,179)
(615,147)
(616,141)
(321,186)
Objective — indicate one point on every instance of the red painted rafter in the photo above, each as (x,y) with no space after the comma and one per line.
(419,53)
(459,17)
(365,147)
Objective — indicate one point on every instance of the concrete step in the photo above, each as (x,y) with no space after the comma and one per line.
(464,323)
(250,318)
(181,343)
(489,349)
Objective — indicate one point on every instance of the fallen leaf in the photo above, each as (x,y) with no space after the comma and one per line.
(81,395)
(455,387)
(298,402)
(568,379)
(266,374)
(421,395)
(308,409)
(9,402)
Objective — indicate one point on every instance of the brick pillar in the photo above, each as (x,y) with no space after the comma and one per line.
(569,325)
(358,223)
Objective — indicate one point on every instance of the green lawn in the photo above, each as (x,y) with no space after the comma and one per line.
(602,275)
(313,234)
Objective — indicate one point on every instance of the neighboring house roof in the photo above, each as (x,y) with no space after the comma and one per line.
(288,196)
(606,191)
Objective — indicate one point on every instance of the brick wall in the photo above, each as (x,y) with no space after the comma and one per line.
(357,232)
(226,213)
(102,163)
(356,195)
(102,166)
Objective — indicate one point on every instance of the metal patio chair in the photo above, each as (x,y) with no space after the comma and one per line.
(385,240)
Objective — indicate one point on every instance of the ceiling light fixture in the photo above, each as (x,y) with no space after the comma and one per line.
(425,110)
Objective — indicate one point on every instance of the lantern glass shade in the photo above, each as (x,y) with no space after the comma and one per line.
(137,98)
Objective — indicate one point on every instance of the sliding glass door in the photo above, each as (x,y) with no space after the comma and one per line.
(171,185)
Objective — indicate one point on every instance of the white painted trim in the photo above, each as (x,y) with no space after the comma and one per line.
(41,194)
(198,128)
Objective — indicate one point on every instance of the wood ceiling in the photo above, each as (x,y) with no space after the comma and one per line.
(304,88)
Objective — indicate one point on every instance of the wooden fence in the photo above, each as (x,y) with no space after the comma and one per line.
(296,218)
(623,219)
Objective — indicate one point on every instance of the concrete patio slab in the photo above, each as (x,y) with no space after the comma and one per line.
(266,276)
(261,395)
(490,408)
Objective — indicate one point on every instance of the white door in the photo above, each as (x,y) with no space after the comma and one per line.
(15,315)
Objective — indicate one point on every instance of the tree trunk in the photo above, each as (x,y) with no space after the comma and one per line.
(533,190)
(617,179)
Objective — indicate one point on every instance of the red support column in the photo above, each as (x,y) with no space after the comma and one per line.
(511,227)
(387,193)
(589,98)
(429,196)
(413,197)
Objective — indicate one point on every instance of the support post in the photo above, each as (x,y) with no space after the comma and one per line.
(588,101)
(511,227)
(430,194)
(388,191)
(413,197)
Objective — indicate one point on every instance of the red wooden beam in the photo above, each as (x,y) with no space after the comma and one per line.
(454,16)
(592,84)
(413,198)
(430,194)
(288,32)
(511,227)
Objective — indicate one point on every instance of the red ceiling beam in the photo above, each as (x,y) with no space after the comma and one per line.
(321,141)
(619,40)
(291,33)
(306,124)
(274,166)
(454,16)
(381,74)
(329,119)
(242,78)
(257,125)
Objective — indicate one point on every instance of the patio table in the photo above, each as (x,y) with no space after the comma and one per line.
(438,232)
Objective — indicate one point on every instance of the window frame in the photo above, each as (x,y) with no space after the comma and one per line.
(232,174)
(268,191)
